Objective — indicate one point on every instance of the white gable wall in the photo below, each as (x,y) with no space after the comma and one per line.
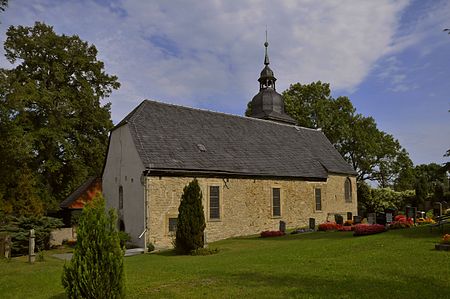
(124,168)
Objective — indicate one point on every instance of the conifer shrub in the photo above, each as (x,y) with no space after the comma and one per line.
(191,220)
(18,228)
(96,269)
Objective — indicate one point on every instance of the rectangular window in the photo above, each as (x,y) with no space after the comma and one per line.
(318,195)
(214,202)
(173,225)
(276,205)
(120,197)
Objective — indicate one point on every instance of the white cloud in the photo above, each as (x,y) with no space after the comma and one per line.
(209,54)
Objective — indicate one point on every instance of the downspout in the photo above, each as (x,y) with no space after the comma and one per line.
(143,234)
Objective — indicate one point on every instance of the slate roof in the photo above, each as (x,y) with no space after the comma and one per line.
(176,139)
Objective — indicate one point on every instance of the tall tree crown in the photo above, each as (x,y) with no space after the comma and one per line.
(50,106)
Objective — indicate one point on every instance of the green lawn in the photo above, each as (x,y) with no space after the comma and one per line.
(395,264)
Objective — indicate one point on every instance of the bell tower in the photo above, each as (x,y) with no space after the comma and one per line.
(268,103)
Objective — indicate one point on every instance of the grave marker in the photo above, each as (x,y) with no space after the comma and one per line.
(31,254)
(372,218)
(437,209)
(312,223)
(282,226)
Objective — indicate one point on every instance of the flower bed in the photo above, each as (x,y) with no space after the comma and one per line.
(425,221)
(272,233)
(345,228)
(400,221)
(368,229)
(348,223)
(328,226)
(444,244)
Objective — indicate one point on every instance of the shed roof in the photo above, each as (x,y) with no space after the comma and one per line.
(176,139)
(83,189)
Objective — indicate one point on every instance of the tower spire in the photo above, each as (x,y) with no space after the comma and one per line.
(266,58)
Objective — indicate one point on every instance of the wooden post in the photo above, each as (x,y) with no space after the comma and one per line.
(7,248)
(31,254)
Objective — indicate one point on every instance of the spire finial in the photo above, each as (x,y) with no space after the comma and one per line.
(266,44)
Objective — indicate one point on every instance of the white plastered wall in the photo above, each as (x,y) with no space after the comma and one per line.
(124,168)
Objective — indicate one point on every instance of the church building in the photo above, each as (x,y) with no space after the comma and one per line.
(253,171)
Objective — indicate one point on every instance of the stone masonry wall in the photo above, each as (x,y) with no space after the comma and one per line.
(246,205)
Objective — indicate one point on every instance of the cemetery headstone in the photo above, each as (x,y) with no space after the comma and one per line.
(372,218)
(381,218)
(5,246)
(389,217)
(437,209)
(312,223)
(205,240)
(282,226)
(31,254)
(349,215)
(356,219)
(411,213)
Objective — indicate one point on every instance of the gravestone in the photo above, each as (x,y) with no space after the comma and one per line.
(282,226)
(381,218)
(437,209)
(372,218)
(389,217)
(349,215)
(31,254)
(312,223)
(390,213)
(339,219)
(5,246)
(205,240)
(356,219)
(411,212)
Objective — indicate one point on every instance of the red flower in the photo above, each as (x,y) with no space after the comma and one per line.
(368,229)
(328,226)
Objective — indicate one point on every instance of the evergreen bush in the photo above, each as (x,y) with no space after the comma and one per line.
(96,269)
(19,229)
(191,220)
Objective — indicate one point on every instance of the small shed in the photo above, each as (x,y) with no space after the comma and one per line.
(73,205)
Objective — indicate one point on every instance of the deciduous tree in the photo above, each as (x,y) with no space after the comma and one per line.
(52,120)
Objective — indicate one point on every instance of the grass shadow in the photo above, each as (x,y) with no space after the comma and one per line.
(316,286)
(59,296)
(168,252)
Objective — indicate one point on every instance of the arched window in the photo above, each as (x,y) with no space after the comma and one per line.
(348,190)
(121,225)
(120,197)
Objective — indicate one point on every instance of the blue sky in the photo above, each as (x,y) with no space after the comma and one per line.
(390,58)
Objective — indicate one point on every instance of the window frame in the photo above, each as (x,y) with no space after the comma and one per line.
(219,202)
(272,202)
(348,190)
(120,197)
(169,226)
(318,205)
(167,218)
